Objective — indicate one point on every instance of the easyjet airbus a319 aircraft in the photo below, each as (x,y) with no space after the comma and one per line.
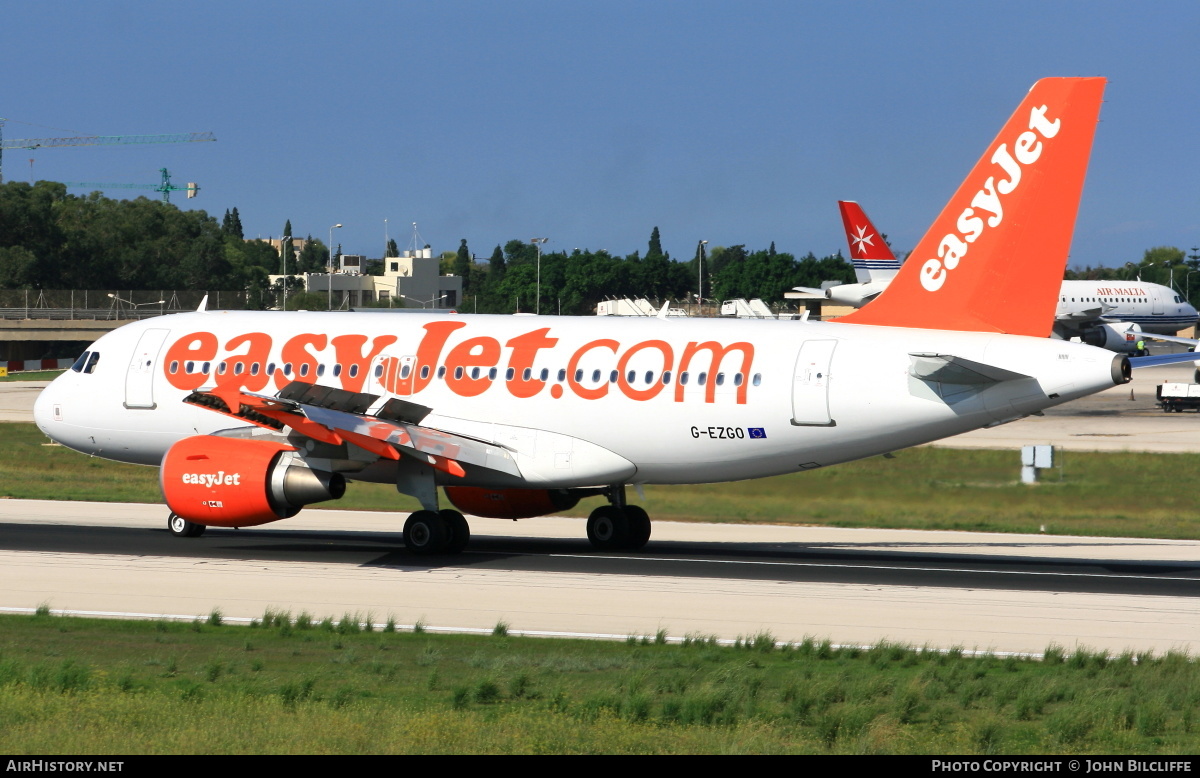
(252,415)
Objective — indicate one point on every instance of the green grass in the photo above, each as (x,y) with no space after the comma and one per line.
(32,375)
(76,686)
(1107,494)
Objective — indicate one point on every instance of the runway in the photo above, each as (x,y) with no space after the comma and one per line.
(1007,593)
(978,591)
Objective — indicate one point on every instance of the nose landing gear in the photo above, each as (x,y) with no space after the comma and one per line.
(182,528)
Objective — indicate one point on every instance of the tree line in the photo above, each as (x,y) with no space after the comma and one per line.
(50,239)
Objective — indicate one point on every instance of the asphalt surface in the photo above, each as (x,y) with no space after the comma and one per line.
(986,591)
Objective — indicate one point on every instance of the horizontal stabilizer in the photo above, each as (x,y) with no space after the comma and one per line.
(949,369)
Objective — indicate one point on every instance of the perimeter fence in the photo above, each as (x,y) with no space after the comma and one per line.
(109,304)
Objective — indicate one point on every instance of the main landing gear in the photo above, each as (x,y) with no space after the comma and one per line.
(619,526)
(182,528)
(436,532)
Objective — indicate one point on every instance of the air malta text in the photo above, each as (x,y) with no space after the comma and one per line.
(467,366)
(954,245)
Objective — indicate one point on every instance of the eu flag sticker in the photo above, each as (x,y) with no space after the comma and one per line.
(757,432)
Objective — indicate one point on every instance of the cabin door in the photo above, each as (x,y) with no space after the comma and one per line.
(139,381)
(810,384)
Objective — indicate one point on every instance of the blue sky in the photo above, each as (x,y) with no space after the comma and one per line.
(590,123)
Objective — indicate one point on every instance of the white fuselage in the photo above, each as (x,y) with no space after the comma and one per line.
(580,401)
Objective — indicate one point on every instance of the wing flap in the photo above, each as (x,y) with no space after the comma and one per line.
(333,416)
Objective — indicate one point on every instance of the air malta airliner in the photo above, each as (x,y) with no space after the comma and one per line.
(250,416)
(1109,314)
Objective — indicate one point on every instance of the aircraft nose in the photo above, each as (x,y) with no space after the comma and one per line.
(47,409)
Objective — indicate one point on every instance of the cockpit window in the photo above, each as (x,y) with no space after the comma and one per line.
(91,363)
(79,363)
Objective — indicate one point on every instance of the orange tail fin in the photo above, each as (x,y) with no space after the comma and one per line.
(993,260)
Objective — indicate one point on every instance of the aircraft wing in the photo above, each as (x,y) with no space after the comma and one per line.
(1172,338)
(336,416)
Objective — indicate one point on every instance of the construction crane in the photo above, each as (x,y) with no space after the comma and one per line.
(166,187)
(94,140)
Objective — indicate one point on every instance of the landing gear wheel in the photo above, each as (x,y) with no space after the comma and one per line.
(182,528)
(608,528)
(639,527)
(425,533)
(458,530)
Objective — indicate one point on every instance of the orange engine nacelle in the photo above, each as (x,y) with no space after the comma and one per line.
(510,503)
(236,482)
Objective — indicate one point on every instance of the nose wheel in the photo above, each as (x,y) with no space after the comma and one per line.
(182,528)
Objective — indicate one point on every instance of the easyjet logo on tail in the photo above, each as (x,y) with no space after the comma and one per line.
(953,247)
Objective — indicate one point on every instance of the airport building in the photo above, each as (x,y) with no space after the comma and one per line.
(411,280)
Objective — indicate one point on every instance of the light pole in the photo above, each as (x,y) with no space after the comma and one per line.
(134,305)
(1187,284)
(284,245)
(424,302)
(700,262)
(329,268)
(537,242)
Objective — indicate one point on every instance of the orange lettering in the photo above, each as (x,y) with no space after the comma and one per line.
(573,365)
(718,356)
(471,353)
(623,369)
(238,366)
(348,353)
(197,347)
(429,352)
(525,348)
(304,364)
